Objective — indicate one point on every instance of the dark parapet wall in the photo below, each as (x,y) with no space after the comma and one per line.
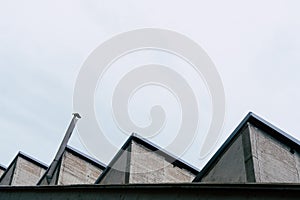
(156,191)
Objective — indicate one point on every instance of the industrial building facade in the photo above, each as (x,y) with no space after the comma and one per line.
(257,161)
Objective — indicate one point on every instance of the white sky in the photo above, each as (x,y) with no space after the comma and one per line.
(255,46)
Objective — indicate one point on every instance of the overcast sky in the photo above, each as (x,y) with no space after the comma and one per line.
(255,46)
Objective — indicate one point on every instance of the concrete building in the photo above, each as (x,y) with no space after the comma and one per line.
(2,170)
(23,170)
(257,161)
(140,161)
(256,151)
(74,167)
(68,167)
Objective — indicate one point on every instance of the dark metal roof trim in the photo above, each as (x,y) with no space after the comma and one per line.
(258,122)
(168,156)
(7,169)
(33,160)
(274,131)
(264,186)
(2,167)
(149,191)
(175,160)
(86,157)
(26,157)
(114,160)
(9,166)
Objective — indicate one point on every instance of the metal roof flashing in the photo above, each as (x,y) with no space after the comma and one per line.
(140,140)
(258,122)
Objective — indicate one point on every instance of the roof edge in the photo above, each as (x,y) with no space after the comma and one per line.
(167,155)
(114,159)
(33,160)
(2,167)
(259,123)
(86,157)
(175,160)
(26,157)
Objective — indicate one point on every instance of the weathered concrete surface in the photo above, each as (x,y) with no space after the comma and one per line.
(273,160)
(2,170)
(53,181)
(6,178)
(147,166)
(117,172)
(255,156)
(154,191)
(231,166)
(26,173)
(22,172)
(74,170)
(136,163)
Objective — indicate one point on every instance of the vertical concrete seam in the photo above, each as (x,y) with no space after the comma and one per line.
(256,152)
(13,173)
(248,155)
(128,163)
(296,166)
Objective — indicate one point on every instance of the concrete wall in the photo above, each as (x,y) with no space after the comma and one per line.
(1,172)
(26,173)
(138,164)
(272,160)
(149,167)
(74,170)
(53,180)
(117,173)
(231,166)
(7,177)
(255,156)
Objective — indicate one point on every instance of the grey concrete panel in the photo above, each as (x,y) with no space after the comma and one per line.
(116,174)
(8,175)
(1,172)
(26,173)
(147,166)
(74,170)
(231,165)
(273,160)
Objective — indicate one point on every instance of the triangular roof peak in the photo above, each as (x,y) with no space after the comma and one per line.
(259,123)
(7,176)
(175,160)
(167,156)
